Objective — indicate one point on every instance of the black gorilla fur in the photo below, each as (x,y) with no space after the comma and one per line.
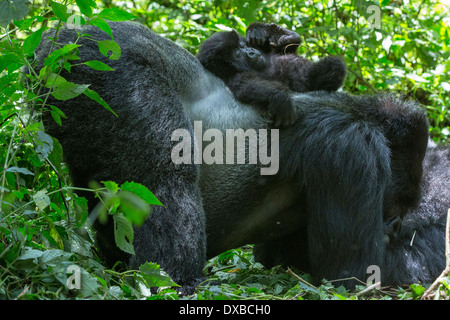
(136,146)
(341,174)
(418,253)
(349,163)
(415,255)
(266,76)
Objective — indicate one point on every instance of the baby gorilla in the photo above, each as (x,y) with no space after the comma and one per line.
(263,69)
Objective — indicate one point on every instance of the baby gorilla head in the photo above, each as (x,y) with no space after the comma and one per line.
(246,59)
(226,53)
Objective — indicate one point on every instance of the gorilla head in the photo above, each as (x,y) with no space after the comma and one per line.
(226,53)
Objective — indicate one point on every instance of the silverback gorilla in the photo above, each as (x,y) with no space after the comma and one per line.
(347,164)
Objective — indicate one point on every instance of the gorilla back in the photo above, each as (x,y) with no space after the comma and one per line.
(144,90)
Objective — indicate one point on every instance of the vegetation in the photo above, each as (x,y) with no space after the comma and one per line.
(44,230)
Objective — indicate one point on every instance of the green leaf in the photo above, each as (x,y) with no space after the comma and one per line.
(123,233)
(60,11)
(417,289)
(58,54)
(41,199)
(89,283)
(106,46)
(81,209)
(98,65)
(111,186)
(57,114)
(32,41)
(20,170)
(133,207)
(154,276)
(116,14)
(56,117)
(52,79)
(95,96)
(68,90)
(30,253)
(102,25)
(44,144)
(12,9)
(142,191)
(56,237)
(86,6)
(56,155)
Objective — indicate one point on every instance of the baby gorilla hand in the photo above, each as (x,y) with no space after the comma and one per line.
(257,37)
(283,110)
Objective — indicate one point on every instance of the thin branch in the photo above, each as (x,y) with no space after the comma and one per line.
(296,276)
(370,288)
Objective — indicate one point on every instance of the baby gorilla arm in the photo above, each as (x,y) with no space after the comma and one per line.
(269,95)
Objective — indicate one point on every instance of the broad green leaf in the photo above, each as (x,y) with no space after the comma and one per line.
(68,90)
(53,256)
(89,283)
(57,114)
(41,199)
(102,25)
(44,144)
(56,155)
(81,209)
(123,233)
(12,9)
(20,170)
(95,96)
(56,117)
(32,41)
(142,191)
(134,208)
(53,79)
(30,253)
(61,11)
(116,14)
(107,46)
(98,65)
(58,54)
(154,276)
(86,6)
(111,186)
(55,235)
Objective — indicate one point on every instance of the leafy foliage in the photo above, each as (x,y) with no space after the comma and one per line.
(45,235)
